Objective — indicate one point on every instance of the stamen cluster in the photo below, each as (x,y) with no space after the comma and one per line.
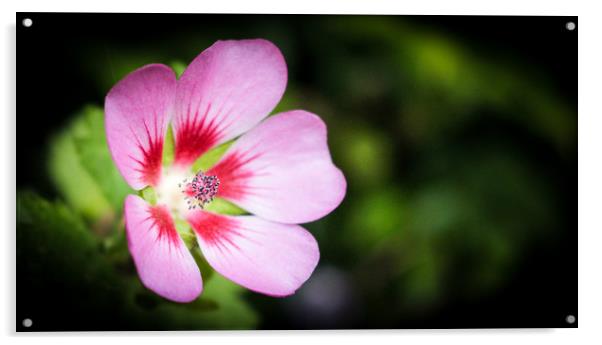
(200,190)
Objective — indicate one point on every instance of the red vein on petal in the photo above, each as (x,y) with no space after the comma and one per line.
(150,164)
(215,230)
(233,174)
(161,219)
(195,136)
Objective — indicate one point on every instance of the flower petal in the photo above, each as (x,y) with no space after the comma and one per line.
(137,112)
(163,262)
(282,171)
(266,257)
(224,92)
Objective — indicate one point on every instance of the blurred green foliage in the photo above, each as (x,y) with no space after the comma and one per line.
(454,161)
(71,178)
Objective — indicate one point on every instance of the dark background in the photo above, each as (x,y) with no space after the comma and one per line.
(60,59)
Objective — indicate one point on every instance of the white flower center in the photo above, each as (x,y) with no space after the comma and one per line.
(181,191)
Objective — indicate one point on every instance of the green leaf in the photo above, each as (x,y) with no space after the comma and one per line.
(222,206)
(50,224)
(206,270)
(73,181)
(82,169)
(149,195)
(168,147)
(232,311)
(178,66)
(221,306)
(59,264)
(208,160)
(185,232)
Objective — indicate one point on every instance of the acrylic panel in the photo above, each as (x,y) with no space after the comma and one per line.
(242,172)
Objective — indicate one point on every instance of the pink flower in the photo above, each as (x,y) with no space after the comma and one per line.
(279,169)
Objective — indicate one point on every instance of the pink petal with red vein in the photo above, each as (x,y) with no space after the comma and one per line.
(137,112)
(282,171)
(163,261)
(263,256)
(224,92)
